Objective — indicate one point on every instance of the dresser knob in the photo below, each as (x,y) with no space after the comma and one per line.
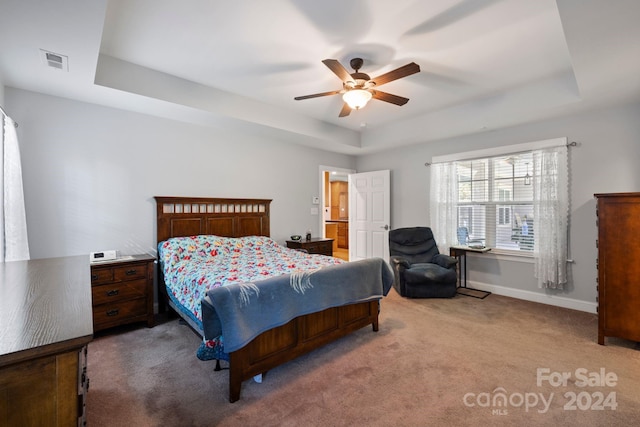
(94,277)
(131,272)
(112,292)
(111,313)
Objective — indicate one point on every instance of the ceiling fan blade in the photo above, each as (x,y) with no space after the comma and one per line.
(388,97)
(346,110)
(338,69)
(396,74)
(317,95)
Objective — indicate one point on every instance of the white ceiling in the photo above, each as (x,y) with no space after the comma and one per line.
(485,64)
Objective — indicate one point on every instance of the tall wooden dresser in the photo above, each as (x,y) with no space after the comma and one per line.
(46,325)
(618,270)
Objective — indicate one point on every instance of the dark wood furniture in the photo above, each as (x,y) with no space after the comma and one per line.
(339,231)
(122,292)
(343,234)
(618,220)
(339,200)
(192,216)
(243,217)
(45,313)
(314,246)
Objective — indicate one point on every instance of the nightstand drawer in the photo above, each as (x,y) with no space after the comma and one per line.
(114,292)
(130,272)
(319,248)
(313,246)
(101,275)
(119,312)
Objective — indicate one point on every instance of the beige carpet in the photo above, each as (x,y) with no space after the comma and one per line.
(433,362)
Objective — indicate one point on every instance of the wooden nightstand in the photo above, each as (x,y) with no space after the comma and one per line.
(122,292)
(314,246)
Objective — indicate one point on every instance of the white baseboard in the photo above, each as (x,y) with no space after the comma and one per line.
(574,304)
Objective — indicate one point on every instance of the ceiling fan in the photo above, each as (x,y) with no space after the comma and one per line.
(358,88)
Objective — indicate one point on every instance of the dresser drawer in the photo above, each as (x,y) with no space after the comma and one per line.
(118,274)
(130,272)
(319,248)
(101,275)
(114,292)
(118,312)
(313,246)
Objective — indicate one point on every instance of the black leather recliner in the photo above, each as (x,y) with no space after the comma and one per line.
(421,271)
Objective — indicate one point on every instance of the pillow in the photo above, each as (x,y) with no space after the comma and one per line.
(177,249)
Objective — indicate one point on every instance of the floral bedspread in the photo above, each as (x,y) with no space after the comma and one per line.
(193,265)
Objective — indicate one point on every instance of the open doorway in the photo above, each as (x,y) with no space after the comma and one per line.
(334,208)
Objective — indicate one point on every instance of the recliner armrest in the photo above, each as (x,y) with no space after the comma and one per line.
(445,261)
(400,261)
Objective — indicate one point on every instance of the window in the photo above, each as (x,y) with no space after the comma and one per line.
(14,245)
(495,201)
(513,199)
(504,215)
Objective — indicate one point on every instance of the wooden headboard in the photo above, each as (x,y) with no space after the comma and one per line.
(190,216)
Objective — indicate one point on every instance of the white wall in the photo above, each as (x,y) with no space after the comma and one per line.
(606,160)
(90,174)
(1,90)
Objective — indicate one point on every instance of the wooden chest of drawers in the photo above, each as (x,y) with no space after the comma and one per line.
(122,292)
(45,313)
(313,246)
(618,219)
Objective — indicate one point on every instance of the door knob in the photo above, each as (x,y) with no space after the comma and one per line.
(386,227)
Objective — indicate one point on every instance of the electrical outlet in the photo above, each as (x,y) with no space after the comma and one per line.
(315,200)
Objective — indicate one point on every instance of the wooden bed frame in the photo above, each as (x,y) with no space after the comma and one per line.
(188,216)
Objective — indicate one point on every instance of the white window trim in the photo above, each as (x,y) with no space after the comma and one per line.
(498,151)
(504,254)
(507,255)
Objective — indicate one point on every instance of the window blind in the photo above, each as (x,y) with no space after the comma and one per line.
(495,202)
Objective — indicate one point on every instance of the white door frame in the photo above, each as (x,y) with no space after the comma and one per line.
(321,192)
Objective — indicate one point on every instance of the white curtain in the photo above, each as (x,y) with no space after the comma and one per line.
(551,216)
(444,204)
(14,245)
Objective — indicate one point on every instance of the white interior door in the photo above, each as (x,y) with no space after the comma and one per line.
(369,215)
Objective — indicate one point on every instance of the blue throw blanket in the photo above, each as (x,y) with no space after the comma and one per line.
(241,312)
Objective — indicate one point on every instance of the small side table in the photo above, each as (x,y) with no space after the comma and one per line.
(122,291)
(316,245)
(460,253)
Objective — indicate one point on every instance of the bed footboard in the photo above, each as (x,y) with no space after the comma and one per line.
(301,335)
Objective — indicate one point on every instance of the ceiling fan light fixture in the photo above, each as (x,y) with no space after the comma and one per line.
(358,88)
(356,98)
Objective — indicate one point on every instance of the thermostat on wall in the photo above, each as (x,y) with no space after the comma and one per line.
(102,256)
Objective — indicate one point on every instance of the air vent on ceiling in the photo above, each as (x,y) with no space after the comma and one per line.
(55,60)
